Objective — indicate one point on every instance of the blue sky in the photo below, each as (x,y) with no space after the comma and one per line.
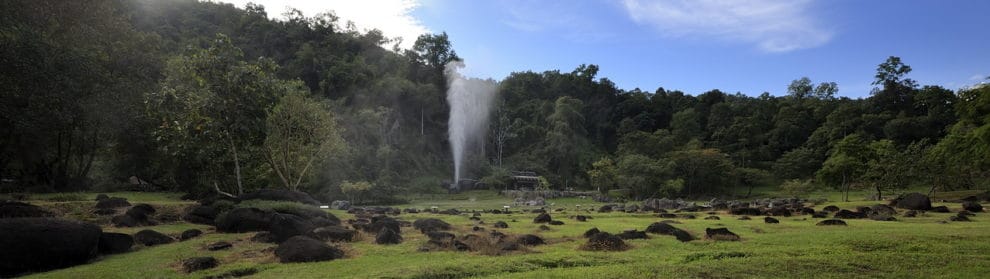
(752,46)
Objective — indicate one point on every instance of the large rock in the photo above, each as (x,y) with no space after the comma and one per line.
(720,234)
(388,236)
(667,229)
(279,195)
(972,206)
(831,222)
(284,226)
(332,233)
(913,201)
(190,234)
(199,263)
(299,249)
(201,214)
(604,241)
(664,203)
(115,243)
(152,238)
(13,209)
(530,240)
(39,244)
(240,220)
(746,211)
(846,214)
(432,224)
(542,218)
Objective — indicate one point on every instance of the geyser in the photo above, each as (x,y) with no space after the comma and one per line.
(470,102)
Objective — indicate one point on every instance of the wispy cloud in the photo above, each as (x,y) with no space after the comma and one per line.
(772,25)
(979,77)
(572,20)
(393,17)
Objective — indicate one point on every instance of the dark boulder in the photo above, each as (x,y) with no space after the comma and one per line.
(591,232)
(632,234)
(720,234)
(746,211)
(112,202)
(279,195)
(941,209)
(604,241)
(779,211)
(284,226)
(667,229)
(440,237)
(240,220)
(220,245)
(831,222)
(142,209)
(13,209)
(263,237)
(152,238)
(881,217)
(667,215)
(770,220)
(910,213)
(433,224)
(966,213)
(190,234)
(605,208)
(913,201)
(201,214)
(39,244)
(744,218)
(199,263)
(542,218)
(820,214)
(333,233)
(831,208)
(846,214)
(556,222)
(501,225)
(388,236)
(530,240)
(581,218)
(377,224)
(713,217)
(807,211)
(881,209)
(115,243)
(972,206)
(959,218)
(125,221)
(299,249)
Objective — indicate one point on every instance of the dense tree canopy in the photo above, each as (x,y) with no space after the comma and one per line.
(202,97)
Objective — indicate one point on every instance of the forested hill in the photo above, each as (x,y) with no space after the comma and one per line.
(199,97)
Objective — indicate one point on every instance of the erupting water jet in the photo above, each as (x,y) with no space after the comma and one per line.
(470,102)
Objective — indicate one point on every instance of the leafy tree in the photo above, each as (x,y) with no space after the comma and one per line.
(211,102)
(300,133)
(603,174)
(846,163)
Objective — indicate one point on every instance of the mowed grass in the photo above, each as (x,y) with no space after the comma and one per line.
(921,247)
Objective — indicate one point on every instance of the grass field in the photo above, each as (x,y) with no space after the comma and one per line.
(921,247)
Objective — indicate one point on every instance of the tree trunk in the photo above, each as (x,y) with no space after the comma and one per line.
(879,194)
(237,164)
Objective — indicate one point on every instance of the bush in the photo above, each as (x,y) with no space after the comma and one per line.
(285,207)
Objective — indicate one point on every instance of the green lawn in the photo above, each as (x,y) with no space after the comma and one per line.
(908,248)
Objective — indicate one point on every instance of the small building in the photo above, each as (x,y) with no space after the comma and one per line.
(524,180)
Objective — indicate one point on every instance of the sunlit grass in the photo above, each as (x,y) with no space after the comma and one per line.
(921,247)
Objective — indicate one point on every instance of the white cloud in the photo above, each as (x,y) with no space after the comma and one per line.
(978,77)
(772,25)
(393,17)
